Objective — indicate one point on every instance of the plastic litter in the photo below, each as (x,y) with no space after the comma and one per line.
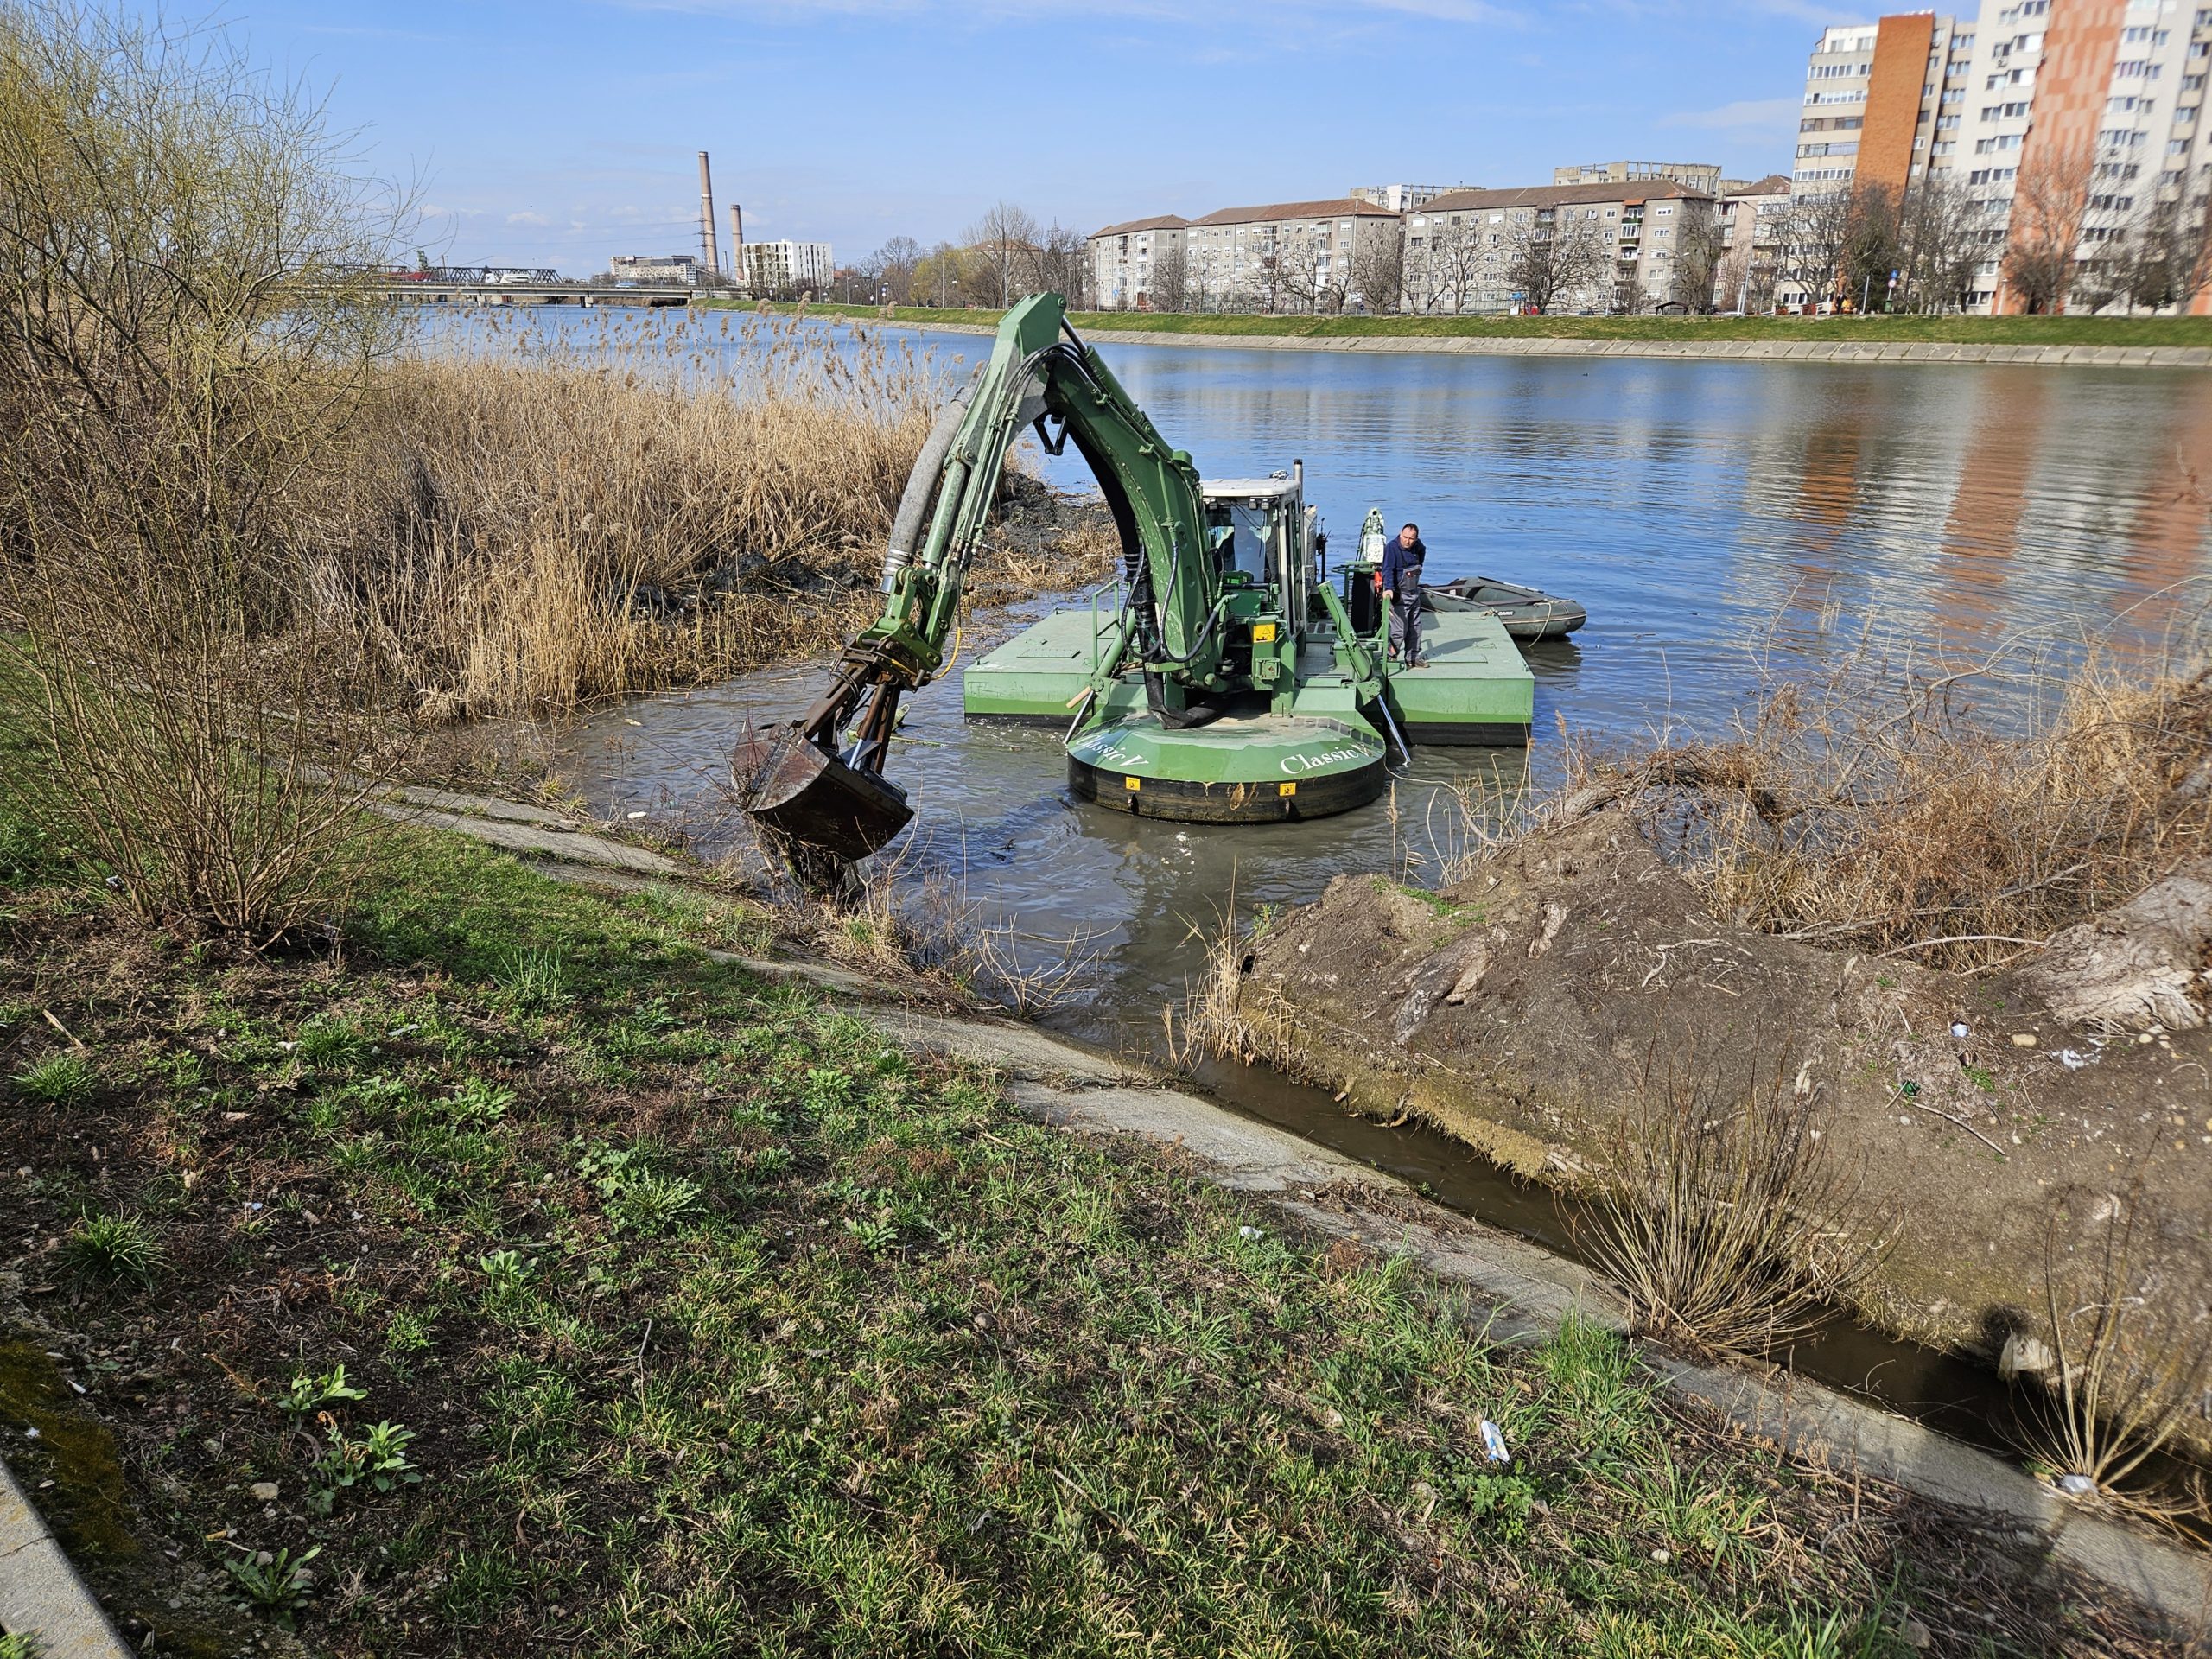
(2076,1485)
(1961,1031)
(1247,1232)
(1494,1443)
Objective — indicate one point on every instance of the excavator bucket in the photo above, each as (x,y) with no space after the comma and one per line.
(811,799)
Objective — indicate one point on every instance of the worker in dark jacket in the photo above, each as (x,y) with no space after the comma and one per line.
(1402,562)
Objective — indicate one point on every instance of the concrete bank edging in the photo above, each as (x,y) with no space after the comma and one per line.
(41,1595)
(1065,1085)
(1726,351)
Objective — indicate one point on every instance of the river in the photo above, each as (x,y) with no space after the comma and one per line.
(1719,520)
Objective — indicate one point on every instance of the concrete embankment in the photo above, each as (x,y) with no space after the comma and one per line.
(1727,350)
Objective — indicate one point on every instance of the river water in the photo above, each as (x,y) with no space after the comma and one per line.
(1719,521)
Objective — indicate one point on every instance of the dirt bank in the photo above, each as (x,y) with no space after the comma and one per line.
(1521,1009)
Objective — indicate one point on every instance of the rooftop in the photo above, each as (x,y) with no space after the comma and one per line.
(1157,222)
(1560,195)
(1332,207)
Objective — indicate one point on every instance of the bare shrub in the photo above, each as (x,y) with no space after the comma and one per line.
(1879,808)
(182,246)
(1725,1222)
(2131,1355)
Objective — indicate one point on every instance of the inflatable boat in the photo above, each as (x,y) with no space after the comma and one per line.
(1529,615)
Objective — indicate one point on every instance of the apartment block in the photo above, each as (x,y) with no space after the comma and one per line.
(654,268)
(1749,272)
(1123,260)
(2096,103)
(775,269)
(1466,252)
(1282,256)
(1698,175)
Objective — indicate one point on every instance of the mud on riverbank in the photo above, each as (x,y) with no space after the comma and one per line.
(1519,1009)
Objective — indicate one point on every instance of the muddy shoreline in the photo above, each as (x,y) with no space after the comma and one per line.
(1521,1011)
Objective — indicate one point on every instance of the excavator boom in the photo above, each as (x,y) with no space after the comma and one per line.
(823,796)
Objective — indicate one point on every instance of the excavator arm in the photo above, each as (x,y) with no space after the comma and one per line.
(829,806)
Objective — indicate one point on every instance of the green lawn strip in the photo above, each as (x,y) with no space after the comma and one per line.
(1947,330)
(699,1319)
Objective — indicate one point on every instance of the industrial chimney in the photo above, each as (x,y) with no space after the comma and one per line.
(736,246)
(709,252)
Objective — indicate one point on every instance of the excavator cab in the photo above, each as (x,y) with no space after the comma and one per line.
(1264,540)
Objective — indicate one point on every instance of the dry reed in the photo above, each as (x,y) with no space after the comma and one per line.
(536,526)
(1880,810)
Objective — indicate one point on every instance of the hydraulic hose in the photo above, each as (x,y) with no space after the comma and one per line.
(921,485)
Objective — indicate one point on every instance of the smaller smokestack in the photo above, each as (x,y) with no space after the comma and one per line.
(708,246)
(736,246)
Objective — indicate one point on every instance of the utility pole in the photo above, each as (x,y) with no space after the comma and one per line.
(711,254)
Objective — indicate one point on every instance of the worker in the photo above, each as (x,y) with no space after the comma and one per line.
(1402,562)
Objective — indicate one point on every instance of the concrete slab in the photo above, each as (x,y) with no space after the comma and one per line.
(41,1595)
(537,841)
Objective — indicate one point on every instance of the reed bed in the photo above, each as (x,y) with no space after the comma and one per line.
(1884,809)
(534,525)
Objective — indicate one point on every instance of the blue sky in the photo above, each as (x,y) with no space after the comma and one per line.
(561,131)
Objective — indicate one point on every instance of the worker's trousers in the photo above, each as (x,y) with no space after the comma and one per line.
(1405,627)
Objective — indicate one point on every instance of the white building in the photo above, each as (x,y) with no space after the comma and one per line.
(780,270)
(1123,258)
(2096,103)
(647,268)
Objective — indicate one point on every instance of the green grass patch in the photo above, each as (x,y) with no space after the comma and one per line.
(1946,330)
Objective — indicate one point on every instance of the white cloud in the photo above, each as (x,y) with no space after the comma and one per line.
(528,217)
(1751,115)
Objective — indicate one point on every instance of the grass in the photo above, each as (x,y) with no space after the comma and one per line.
(1991,331)
(716,1322)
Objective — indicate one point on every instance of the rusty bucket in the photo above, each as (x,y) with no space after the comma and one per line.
(810,798)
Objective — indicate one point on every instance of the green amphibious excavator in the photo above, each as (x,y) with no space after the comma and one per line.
(1230,683)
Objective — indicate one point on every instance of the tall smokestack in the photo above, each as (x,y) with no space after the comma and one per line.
(736,246)
(711,253)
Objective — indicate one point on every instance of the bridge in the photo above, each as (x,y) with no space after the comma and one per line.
(433,288)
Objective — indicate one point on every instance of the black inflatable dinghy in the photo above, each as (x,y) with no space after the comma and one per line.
(1528,613)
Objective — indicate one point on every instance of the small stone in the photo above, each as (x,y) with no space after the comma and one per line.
(1662,1556)
(2023,1039)
(264,1489)
(1916,1634)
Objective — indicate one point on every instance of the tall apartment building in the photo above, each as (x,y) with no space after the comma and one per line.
(2094,101)
(1123,259)
(773,269)
(1698,175)
(1461,248)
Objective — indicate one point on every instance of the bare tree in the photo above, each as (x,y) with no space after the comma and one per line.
(1939,245)
(1871,243)
(2050,204)
(1546,262)
(1811,240)
(1059,262)
(896,260)
(1170,289)
(1697,258)
(1006,236)
(1378,267)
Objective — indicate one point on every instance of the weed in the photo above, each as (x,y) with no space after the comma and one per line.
(2133,1355)
(1725,1223)
(505,1269)
(309,1394)
(477,1102)
(115,1248)
(379,1459)
(59,1080)
(332,1042)
(277,1586)
(535,980)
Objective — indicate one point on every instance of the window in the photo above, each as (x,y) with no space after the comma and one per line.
(2143,37)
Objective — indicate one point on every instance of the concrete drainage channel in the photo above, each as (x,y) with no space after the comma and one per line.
(1322,1192)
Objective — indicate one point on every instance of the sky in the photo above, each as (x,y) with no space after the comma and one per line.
(559,132)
